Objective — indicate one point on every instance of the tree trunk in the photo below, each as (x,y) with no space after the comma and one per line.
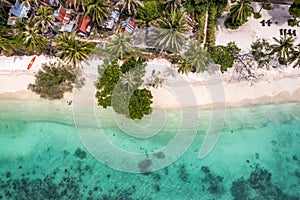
(205,27)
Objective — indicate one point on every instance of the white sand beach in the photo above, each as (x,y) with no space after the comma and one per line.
(253,29)
(177,90)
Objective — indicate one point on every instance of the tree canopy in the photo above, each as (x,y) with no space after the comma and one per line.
(53,80)
(119,87)
(224,55)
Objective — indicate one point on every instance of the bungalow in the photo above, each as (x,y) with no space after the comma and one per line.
(113,19)
(84,25)
(19,10)
(63,15)
(53,3)
(128,26)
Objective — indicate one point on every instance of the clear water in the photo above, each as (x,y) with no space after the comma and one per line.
(42,157)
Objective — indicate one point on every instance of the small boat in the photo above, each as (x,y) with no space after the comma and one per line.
(31,63)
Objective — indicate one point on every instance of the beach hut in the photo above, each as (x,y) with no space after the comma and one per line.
(84,25)
(128,26)
(63,15)
(53,3)
(111,21)
(20,10)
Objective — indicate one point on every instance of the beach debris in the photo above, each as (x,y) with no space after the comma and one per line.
(69,101)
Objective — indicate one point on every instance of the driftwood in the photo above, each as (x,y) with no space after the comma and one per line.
(245,69)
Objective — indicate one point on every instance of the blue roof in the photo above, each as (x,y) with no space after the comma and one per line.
(20,10)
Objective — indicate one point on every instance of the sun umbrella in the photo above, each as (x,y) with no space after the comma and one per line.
(31,63)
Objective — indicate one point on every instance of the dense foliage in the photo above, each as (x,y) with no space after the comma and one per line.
(53,80)
(261,51)
(295,9)
(119,87)
(224,55)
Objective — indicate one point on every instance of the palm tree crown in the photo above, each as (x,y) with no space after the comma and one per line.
(33,39)
(72,50)
(120,45)
(98,11)
(170,29)
(240,11)
(130,6)
(283,47)
(44,17)
(198,57)
(295,56)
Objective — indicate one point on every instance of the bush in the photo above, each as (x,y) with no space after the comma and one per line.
(267,6)
(53,80)
(257,15)
(292,22)
(119,87)
(224,55)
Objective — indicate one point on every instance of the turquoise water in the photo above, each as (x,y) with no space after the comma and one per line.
(42,157)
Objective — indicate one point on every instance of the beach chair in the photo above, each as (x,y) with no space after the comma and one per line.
(289,32)
(294,33)
(281,31)
(269,22)
(262,22)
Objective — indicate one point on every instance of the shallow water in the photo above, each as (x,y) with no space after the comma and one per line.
(42,156)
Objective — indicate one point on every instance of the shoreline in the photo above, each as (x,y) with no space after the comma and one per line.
(274,87)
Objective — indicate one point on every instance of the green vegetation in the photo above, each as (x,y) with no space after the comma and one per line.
(282,48)
(120,88)
(72,50)
(239,13)
(120,46)
(198,57)
(130,6)
(294,9)
(257,15)
(53,80)
(224,55)
(267,6)
(170,31)
(295,56)
(292,22)
(97,10)
(261,51)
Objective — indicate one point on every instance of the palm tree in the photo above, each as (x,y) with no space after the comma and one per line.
(170,29)
(97,11)
(173,4)
(147,15)
(295,56)
(33,39)
(130,6)
(120,45)
(44,17)
(240,11)
(184,66)
(283,48)
(5,44)
(72,50)
(197,57)
(130,79)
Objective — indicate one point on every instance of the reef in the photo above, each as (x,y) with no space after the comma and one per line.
(258,186)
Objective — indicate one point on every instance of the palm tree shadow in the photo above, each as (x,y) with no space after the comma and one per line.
(279,14)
